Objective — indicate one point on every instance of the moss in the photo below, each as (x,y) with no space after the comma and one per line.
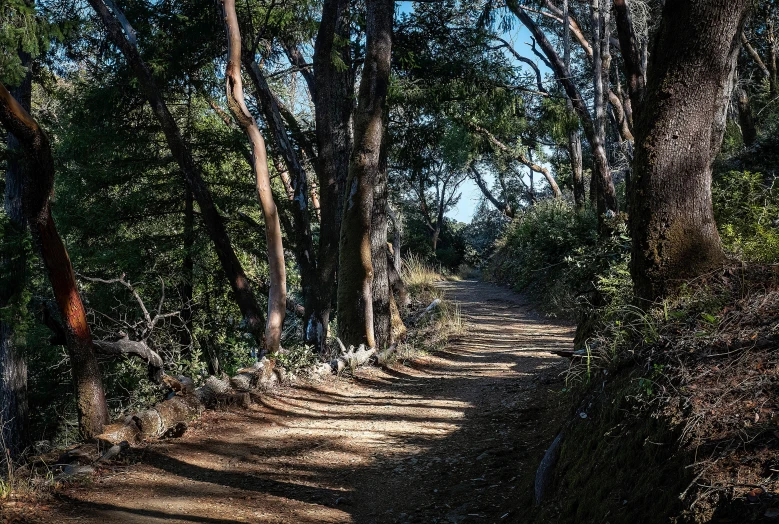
(618,464)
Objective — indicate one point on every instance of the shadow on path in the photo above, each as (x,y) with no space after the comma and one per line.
(454,437)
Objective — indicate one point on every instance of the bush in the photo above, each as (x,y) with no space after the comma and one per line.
(553,252)
(746,207)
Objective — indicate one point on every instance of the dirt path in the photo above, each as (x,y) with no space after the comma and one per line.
(451,437)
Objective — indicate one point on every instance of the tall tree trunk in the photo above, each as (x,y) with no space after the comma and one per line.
(382,321)
(333,99)
(14,414)
(679,132)
(277,299)
(602,172)
(355,301)
(771,41)
(606,196)
(299,232)
(36,189)
(187,273)
(115,23)
(574,139)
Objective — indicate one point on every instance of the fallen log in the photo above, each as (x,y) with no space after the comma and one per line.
(186,403)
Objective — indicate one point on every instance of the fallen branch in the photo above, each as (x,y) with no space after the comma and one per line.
(124,347)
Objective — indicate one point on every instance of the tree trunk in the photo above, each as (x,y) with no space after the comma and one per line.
(745,120)
(114,22)
(382,310)
(602,172)
(299,232)
(355,301)
(771,41)
(605,194)
(334,103)
(14,415)
(187,274)
(277,299)
(36,189)
(574,139)
(679,132)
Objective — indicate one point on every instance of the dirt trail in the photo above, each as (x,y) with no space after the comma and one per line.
(451,437)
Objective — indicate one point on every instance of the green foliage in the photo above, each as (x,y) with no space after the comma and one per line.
(15,260)
(746,207)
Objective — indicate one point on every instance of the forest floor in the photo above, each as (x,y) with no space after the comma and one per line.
(450,437)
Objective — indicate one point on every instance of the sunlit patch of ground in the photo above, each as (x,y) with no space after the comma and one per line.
(447,438)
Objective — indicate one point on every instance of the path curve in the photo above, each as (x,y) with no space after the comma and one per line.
(452,437)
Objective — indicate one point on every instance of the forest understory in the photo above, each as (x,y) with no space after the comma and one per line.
(452,436)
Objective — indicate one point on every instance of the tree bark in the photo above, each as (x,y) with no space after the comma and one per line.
(679,132)
(186,288)
(745,119)
(115,23)
(36,189)
(574,139)
(605,194)
(300,232)
(631,54)
(333,99)
(277,299)
(382,328)
(602,171)
(14,414)
(355,301)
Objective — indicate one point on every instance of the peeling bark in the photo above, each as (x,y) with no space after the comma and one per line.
(37,187)
(277,299)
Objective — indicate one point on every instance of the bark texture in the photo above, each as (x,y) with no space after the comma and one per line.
(277,298)
(679,131)
(123,36)
(14,412)
(382,310)
(36,188)
(333,98)
(355,301)
(574,139)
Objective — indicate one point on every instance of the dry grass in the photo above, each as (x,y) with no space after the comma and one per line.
(432,331)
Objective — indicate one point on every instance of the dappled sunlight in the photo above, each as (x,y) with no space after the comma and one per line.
(328,451)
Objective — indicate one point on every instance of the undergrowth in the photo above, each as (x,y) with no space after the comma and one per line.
(429,331)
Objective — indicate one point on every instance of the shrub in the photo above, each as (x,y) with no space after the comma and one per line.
(553,253)
(746,207)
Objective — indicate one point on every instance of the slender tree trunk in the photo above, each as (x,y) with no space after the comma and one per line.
(14,415)
(299,232)
(771,41)
(606,197)
(602,172)
(355,301)
(122,35)
(397,237)
(574,139)
(277,299)
(679,132)
(36,189)
(745,119)
(187,273)
(334,103)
